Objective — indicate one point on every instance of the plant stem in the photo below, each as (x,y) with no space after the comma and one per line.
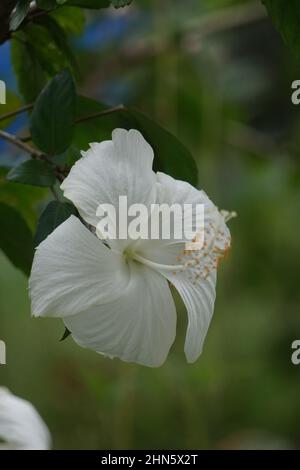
(89,117)
(26,138)
(79,120)
(59,173)
(22,145)
(11,114)
(21,142)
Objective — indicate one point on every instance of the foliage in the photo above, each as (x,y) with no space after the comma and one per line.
(286,17)
(53,115)
(195,84)
(33,172)
(55,214)
(40,50)
(16,238)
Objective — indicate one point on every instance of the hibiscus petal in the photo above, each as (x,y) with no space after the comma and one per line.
(73,270)
(21,427)
(139,326)
(195,277)
(199,298)
(122,166)
(171,191)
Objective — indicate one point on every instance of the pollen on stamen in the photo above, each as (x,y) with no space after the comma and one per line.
(228,215)
(200,263)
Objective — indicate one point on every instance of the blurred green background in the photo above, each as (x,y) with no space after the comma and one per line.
(217,75)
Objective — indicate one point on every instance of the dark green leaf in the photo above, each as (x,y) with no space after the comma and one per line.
(286,17)
(66,334)
(55,214)
(39,52)
(16,238)
(47,4)
(73,155)
(53,115)
(93,4)
(19,14)
(69,157)
(71,19)
(171,156)
(50,57)
(60,39)
(34,172)
(22,197)
(120,3)
(26,64)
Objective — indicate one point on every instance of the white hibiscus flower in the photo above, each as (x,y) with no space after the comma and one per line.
(116,299)
(21,427)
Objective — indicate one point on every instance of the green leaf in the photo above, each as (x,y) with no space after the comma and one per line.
(60,39)
(33,172)
(47,4)
(71,19)
(16,238)
(50,57)
(171,155)
(66,334)
(93,4)
(19,14)
(286,17)
(69,157)
(120,3)
(40,51)
(55,214)
(53,115)
(26,64)
(22,197)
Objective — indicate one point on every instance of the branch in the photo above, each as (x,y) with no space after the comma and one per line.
(21,142)
(59,173)
(21,145)
(34,14)
(79,120)
(89,117)
(11,114)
